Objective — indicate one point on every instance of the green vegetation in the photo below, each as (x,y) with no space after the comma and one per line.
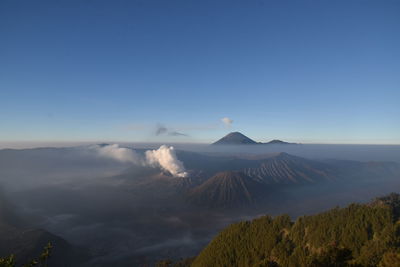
(358,235)
(40,262)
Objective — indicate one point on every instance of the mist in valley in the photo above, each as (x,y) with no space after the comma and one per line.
(128,204)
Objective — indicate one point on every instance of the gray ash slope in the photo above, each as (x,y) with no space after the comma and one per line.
(226,189)
(288,169)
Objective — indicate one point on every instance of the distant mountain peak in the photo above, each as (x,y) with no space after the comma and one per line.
(235,138)
(278,142)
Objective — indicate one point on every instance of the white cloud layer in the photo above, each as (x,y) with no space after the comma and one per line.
(118,153)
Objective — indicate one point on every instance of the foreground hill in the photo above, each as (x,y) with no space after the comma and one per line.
(358,235)
(226,189)
(27,243)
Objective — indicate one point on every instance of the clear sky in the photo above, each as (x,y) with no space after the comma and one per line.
(305,71)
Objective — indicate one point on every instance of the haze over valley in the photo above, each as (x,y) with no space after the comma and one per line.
(110,203)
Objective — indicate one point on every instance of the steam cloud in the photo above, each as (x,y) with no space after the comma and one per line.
(227,121)
(164,157)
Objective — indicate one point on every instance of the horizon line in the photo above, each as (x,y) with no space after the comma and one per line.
(30,144)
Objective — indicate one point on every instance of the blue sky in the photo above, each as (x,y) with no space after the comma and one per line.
(304,71)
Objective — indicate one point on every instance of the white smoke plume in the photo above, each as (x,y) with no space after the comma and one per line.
(227,121)
(165,158)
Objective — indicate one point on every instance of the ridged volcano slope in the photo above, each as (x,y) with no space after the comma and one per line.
(226,189)
(287,169)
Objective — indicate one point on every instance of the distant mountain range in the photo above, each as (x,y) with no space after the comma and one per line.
(237,138)
(241,181)
(275,168)
(244,181)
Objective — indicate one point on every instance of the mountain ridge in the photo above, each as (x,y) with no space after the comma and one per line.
(284,168)
(237,138)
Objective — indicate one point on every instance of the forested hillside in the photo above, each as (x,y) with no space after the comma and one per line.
(358,235)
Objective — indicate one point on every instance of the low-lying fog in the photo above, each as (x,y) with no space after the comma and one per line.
(94,195)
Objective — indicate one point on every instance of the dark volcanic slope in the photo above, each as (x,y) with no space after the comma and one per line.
(226,189)
(235,138)
(286,169)
(279,142)
(27,244)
